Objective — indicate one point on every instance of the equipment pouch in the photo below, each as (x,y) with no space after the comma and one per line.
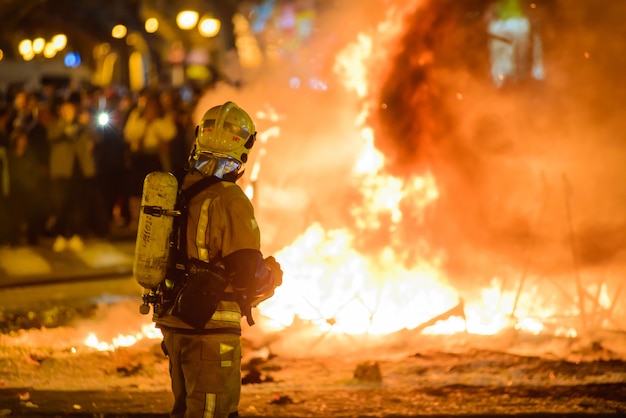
(200,294)
(167,291)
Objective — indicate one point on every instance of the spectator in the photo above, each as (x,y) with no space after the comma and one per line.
(4,196)
(110,167)
(173,109)
(24,202)
(121,114)
(72,173)
(4,127)
(22,112)
(148,135)
(38,144)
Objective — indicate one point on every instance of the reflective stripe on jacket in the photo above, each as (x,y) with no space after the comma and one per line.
(220,221)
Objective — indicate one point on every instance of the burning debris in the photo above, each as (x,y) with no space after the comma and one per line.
(256,371)
(368,372)
(428,234)
(281,400)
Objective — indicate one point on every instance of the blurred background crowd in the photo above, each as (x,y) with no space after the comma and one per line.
(95,96)
(72,162)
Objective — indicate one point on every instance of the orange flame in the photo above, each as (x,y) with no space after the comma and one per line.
(148,331)
(331,284)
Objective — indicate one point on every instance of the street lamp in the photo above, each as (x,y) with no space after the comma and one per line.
(152,25)
(209,27)
(187,19)
(25,47)
(118,31)
(29,55)
(59,41)
(50,50)
(38,45)
(31,48)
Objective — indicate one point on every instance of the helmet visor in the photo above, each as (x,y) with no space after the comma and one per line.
(218,165)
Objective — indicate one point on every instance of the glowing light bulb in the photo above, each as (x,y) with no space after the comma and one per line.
(187,19)
(152,25)
(25,47)
(209,27)
(49,51)
(59,41)
(38,45)
(118,31)
(28,56)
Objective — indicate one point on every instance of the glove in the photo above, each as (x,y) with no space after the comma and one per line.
(275,270)
(267,282)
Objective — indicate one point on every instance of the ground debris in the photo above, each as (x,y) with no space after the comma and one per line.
(255,371)
(59,372)
(281,400)
(368,371)
(47,317)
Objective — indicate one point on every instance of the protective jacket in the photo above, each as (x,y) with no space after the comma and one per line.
(220,224)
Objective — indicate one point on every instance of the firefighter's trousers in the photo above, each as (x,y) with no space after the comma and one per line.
(206,374)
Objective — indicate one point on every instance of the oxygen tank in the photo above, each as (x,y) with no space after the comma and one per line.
(156,220)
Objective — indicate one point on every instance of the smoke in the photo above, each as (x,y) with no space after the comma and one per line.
(499,153)
(309,141)
(529,174)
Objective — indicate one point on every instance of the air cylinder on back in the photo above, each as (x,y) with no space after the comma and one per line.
(155,228)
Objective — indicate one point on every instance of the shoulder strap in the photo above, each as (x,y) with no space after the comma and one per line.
(182,204)
(198,186)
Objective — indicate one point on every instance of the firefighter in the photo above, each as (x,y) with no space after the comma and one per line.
(216,232)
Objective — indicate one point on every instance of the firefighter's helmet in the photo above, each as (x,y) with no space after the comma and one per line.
(224,138)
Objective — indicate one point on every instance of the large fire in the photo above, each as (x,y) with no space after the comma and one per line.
(374,276)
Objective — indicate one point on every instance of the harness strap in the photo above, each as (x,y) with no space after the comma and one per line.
(208,331)
(182,204)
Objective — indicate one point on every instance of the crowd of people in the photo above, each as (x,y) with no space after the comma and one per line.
(72,162)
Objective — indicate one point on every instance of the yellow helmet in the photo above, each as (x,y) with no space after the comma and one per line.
(224,138)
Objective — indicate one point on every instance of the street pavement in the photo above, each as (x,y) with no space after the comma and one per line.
(41,264)
(27,270)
